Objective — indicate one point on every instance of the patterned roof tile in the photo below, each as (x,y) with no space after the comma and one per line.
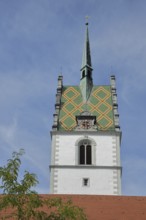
(98,104)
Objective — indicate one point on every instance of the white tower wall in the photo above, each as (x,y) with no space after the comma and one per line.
(104,174)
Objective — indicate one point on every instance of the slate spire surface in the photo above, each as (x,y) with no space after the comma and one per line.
(86,59)
(86,83)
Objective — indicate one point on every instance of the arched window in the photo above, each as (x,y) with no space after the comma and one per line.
(85,151)
(85,154)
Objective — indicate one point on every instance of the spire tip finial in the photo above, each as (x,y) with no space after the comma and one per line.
(87,17)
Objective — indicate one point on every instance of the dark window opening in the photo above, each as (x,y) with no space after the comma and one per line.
(83,74)
(82,154)
(88,154)
(89,73)
(85,182)
(85,154)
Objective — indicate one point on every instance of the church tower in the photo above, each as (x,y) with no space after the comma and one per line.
(86,136)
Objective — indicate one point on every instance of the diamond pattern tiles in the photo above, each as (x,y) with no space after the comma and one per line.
(99,104)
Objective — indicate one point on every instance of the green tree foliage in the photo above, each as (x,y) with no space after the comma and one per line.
(20,202)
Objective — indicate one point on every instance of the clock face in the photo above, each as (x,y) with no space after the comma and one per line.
(86,124)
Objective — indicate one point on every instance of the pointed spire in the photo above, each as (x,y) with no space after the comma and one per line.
(86,82)
(86,60)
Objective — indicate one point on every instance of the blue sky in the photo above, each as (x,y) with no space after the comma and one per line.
(38,39)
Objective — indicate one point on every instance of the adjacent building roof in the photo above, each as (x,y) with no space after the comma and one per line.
(109,207)
(105,207)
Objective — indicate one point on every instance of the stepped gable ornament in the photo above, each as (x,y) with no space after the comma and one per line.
(86,121)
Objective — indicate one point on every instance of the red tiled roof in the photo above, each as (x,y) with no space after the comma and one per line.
(108,207)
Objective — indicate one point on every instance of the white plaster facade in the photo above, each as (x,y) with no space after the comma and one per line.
(104,174)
